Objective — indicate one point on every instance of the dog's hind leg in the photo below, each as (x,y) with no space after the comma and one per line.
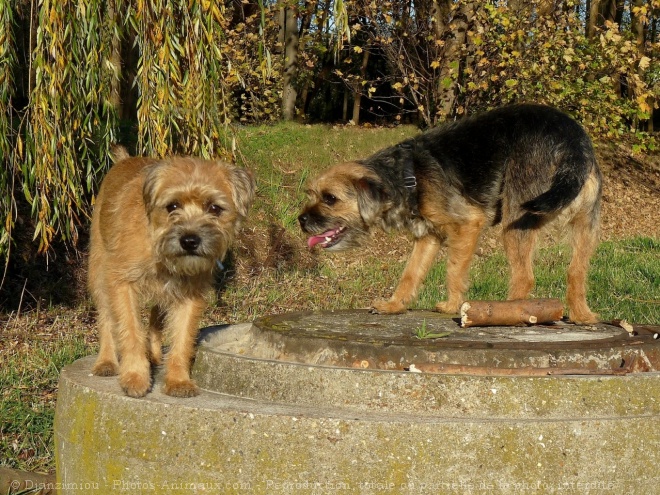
(156,325)
(182,327)
(584,240)
(462,239)
(423,255)
(519,247)
(106,363)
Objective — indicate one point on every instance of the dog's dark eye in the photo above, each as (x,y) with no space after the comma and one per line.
(329,199)
(215,210)
(172,206)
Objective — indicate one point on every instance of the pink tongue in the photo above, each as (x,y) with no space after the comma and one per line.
(315,239)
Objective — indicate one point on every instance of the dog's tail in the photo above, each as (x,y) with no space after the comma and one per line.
(118,153)
(570,176)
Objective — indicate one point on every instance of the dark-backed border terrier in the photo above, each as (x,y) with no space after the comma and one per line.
(158,230)
(522,165)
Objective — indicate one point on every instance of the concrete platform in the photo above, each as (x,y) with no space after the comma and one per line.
(322,403)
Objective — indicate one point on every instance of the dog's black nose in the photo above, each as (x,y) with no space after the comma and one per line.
(302,219)
(190,242)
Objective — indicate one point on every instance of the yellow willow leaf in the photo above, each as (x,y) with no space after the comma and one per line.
(217,14)
(435,64)
(37,230)
(644,63)
(357,49)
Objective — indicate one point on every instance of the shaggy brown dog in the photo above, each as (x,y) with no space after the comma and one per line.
(158,229)
(522,165)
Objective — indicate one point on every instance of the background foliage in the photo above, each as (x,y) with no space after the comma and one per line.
(169,76)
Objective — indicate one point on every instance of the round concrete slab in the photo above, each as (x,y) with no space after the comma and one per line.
(358,338)
(322,403)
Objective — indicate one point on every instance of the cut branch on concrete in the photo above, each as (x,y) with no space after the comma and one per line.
(511,313)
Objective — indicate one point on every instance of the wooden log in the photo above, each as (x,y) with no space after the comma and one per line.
(511,313)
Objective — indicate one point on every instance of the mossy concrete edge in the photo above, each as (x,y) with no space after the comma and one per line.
(218,443)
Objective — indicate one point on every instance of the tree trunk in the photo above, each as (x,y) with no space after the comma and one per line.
(452,59)
(639,29)
(289,38)
(357,101)
(593,14)
(358,93)
(440,13)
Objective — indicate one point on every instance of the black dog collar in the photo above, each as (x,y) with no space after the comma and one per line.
(409,178)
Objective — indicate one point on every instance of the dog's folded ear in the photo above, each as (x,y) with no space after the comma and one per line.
(149,192)
(243,189)
(371,198)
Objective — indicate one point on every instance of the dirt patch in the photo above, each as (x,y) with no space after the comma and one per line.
(631,194)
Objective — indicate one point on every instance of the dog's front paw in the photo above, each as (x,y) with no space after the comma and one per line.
(135,384)
(389,307)
(583,317)
(447,307)
(105,368)
(183,388)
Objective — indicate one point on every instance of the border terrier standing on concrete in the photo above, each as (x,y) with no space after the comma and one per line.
(521,165)
(158,229)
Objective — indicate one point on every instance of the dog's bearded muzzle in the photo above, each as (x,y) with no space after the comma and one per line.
(328,233)
(189,253)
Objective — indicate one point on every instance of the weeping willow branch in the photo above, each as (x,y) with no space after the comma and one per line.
(182,104)
(8,62)
(71,120)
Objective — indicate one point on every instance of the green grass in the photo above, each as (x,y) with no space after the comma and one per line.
(28,385)
(423,332)
(624,280)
